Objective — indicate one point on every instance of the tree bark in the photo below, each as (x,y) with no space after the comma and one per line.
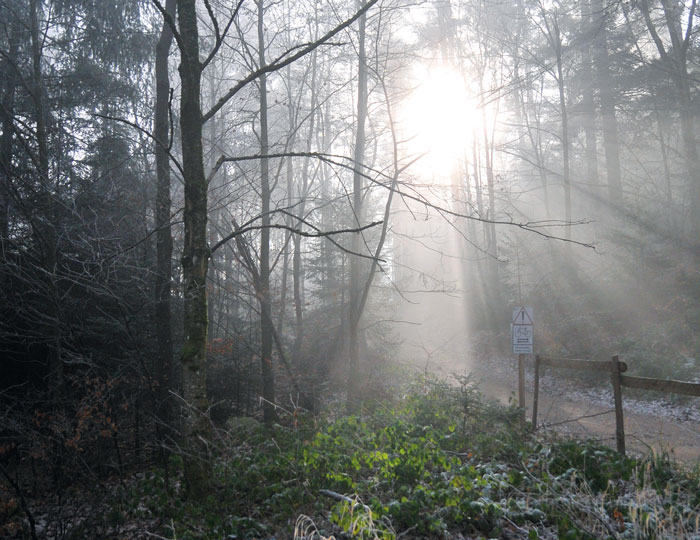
(195,257)
(281,315)
(164,239)
(565,146)
(356,262)
(266,338)
(46,226)
(611,143)
(7,139)
(534,133)
(297,267)
(492,246)
(588,106)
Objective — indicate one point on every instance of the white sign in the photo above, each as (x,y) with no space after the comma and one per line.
(522,329)
(523,315)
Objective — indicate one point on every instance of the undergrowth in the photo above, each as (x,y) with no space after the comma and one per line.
(436,463)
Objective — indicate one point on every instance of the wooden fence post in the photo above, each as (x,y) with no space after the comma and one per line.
(536,393)
(617,392)
(521,386)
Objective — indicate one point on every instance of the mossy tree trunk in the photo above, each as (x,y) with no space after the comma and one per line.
(195,257)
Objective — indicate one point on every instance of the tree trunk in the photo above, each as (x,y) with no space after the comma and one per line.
(564,136)
(667,168)
(298,270)
(195,258)
(327,249)
(164,239)
(588,106)
(45,227)
(492,246)
(291,141)
(611,143)
(355,261)
(535,136)
(7,139)
(282,313)
(268,377)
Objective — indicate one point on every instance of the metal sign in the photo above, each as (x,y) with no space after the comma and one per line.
(522,330)
(523,315)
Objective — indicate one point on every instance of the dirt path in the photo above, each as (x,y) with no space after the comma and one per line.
(579,418)
(588,413)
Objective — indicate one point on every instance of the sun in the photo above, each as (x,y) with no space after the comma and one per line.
(439,118)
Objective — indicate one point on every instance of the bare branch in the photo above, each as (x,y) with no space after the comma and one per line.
(284,60)
(318,234)
(166,147)
(333,159)
(219,36)
(689,27)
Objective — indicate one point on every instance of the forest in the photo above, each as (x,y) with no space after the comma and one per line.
(241,240)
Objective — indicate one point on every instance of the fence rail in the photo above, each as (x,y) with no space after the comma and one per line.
(660,385)
(587,365)
(616,368)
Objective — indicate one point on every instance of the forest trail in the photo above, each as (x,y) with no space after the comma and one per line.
(573,411)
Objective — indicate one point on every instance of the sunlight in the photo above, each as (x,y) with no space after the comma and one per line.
(439,118)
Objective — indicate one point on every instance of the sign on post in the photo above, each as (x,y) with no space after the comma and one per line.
(522,344)
(523,334)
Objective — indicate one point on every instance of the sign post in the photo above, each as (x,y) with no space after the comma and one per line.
(522,340)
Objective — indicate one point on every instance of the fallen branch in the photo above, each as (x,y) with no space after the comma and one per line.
(343,498)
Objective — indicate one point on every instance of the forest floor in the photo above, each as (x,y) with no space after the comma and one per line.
(438,462)
(579,408)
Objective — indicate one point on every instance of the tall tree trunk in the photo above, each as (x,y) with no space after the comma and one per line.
(282,313)
(7,139)
(603,81)
(491,271)
(667,168)
(327,249)
(355,261)
(195,257)
(477,183)
(266,338)
(216,220)
(38,98)
(164,239)
(46,231)
(492,247)
(46,237)
(588,106)
(291,141)
(298,270)
(534,133)
(565,146)
(552,32)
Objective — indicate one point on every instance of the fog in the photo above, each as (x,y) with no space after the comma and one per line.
(432,296)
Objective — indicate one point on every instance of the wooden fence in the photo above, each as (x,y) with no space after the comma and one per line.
(616,368)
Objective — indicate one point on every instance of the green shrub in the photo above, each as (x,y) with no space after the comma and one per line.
(438,462)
